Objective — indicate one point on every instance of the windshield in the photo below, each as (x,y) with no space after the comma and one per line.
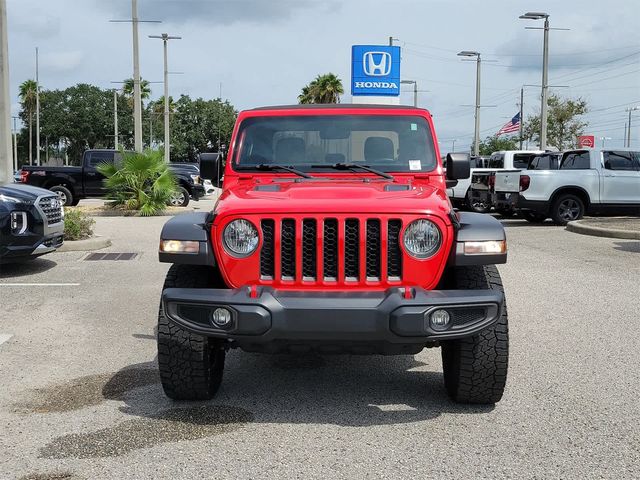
(386,143)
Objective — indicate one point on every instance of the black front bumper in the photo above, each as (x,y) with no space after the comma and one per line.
(332,322)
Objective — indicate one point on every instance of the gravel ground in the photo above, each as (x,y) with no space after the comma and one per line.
(615,223)
(80,397)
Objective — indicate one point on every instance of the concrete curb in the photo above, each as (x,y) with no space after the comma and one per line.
(123,213)
(93,243)
(579,227)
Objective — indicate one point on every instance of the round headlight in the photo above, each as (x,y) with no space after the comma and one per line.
(422,238)
(240,238)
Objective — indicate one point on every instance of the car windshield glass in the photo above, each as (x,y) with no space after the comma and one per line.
(386,143)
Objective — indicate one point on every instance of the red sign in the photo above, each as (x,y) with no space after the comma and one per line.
(586,141)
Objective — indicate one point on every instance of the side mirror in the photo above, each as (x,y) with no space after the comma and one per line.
(458,166)
(211,167)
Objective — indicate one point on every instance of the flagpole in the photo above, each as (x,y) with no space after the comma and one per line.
(521,115)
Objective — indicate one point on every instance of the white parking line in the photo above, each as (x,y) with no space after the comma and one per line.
(4,337)
(39,284)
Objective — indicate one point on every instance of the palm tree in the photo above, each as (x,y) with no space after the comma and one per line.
(127,90)
(143,182)
(324,89)
(28,93)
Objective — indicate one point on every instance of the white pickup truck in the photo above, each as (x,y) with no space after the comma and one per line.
(594,181)
(480,200)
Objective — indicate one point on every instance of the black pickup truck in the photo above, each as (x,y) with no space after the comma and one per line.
(75,183)
(31,222)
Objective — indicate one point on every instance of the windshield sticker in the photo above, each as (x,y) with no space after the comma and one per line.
(414,127)
(415,165)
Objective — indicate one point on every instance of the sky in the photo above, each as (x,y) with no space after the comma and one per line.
(262,52)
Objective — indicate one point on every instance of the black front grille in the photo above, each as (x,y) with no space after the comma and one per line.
(288,249)
(373,248)
(330,251)
(352,249)
(358,252)
(309,249)
(266,254)
(394,255)
(52,208)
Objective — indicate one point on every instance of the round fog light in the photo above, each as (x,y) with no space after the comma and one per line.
(439,319)
(221,317)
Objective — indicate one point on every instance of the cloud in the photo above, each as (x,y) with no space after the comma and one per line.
(215,12)
(38,26)
(601,42)
(61,62)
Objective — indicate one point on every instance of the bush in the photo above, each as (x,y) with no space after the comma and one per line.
(77,225)
(142,182)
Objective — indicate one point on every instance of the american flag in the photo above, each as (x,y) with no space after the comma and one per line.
(511,126)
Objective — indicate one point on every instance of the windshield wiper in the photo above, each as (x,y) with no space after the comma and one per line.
(273,166)
(353,166)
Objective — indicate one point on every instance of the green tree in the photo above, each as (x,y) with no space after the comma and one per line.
(200,126)
(495,144)
(563,122)
(28,92)
(127,90)
(324,89)
(142,182)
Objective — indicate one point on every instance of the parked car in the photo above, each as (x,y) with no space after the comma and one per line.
(31,222)
(195,168)
(72,183)
(334,234)
(474,193)
(595,181)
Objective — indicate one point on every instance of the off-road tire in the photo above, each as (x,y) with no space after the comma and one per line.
(65,194)
(475,368)
(190,365)
(566,208)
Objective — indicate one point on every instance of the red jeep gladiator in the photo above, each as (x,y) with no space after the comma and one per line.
(334,234)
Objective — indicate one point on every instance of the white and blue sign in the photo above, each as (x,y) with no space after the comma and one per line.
(375,70)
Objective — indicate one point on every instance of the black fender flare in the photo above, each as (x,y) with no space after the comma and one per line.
(189,227)
(476,227)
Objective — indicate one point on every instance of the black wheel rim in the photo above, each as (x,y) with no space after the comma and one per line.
(569,209)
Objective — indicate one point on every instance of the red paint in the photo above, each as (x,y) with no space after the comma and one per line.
(586,141)
(344,195)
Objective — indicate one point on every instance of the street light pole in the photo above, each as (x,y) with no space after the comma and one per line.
(604,139)
(115,118)
(545,71)
(545,86)
(5,100)
(37,113)
(415,90)
(15,144)
(521,132)
(137,97)
(476,133)
(632,109)
(167,138)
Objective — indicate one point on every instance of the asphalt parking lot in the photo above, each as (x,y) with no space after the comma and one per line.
(80,395)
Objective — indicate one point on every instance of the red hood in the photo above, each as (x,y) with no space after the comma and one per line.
(333,197)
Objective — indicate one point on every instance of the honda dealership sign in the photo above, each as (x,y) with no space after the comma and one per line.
(375,70)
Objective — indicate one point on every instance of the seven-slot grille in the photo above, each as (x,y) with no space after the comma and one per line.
(331,249)
(52,208)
